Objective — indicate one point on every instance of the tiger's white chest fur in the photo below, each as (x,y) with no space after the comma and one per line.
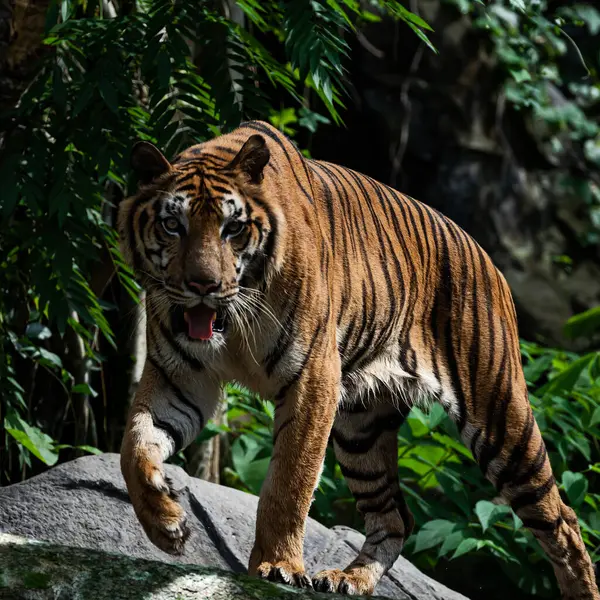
(385,377)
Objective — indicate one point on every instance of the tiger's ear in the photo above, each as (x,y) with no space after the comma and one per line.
(148,161)
(252,158)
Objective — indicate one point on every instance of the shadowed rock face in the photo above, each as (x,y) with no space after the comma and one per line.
(84,504)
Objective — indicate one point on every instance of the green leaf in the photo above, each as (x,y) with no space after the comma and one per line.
(536,368)
(49,358)
(84,388)
(455,491)
(576,486)
(489,513)
(432,534)
(583,324)
(83,99)
(37,331)
(421,35)
(566,380)
(519,5)
(109,95)
(595,419)
(451,542)
(210,431)
(520,75)
(10,193)
(590,16)
(465,546)
(31,438)
(163,66)
(90,449)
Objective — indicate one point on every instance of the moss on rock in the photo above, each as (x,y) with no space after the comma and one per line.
(32,570)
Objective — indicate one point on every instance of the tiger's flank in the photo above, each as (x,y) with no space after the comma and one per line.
(345,303)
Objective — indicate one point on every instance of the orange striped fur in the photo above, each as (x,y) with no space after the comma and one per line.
(345,302)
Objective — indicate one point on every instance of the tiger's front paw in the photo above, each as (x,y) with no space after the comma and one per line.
(284,572)
(155,503)
(342,583)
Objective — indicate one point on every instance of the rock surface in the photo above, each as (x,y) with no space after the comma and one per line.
(84,504)
(31,570)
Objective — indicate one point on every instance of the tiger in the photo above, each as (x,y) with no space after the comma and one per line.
(345,303)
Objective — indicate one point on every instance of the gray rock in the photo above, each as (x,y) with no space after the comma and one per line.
(84,504)
(32,570)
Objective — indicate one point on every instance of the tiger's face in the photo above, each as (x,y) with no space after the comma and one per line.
(198,234)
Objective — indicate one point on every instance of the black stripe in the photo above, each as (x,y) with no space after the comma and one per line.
(382,195)
(405,347)
(356,408)
(371,494)
(221,189)
(210,177)
(508,472)
(354,445)
(459,300)
(287,422)
(331,216)
(136,257)
(383,506)
(352,362)
(269,247)
(405,514)
(177,392)
(361,475)
(286,335)
(386,422)
(181,352)
(187,163)
(175,435)
(346,231)
(384,538)
(489,451)
(280,396)
(226,150)
(443,301)
(541,525)
(537,464)
(348,215)
(433,308)
(474,349)
(533,496)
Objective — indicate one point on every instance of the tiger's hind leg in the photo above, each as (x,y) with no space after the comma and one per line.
(365,442)
(522,474)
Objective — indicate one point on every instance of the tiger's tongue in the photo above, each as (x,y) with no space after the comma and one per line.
(200,321)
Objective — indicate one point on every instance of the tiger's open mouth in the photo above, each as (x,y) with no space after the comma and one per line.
(199,322)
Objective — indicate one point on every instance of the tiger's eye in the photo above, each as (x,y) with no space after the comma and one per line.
(171,224)
(234,228)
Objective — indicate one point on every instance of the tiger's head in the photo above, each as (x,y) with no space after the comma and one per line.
(199,233)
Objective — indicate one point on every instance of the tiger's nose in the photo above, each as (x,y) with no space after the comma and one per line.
(205,286)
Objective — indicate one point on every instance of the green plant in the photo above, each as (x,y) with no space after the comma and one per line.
(554,81)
